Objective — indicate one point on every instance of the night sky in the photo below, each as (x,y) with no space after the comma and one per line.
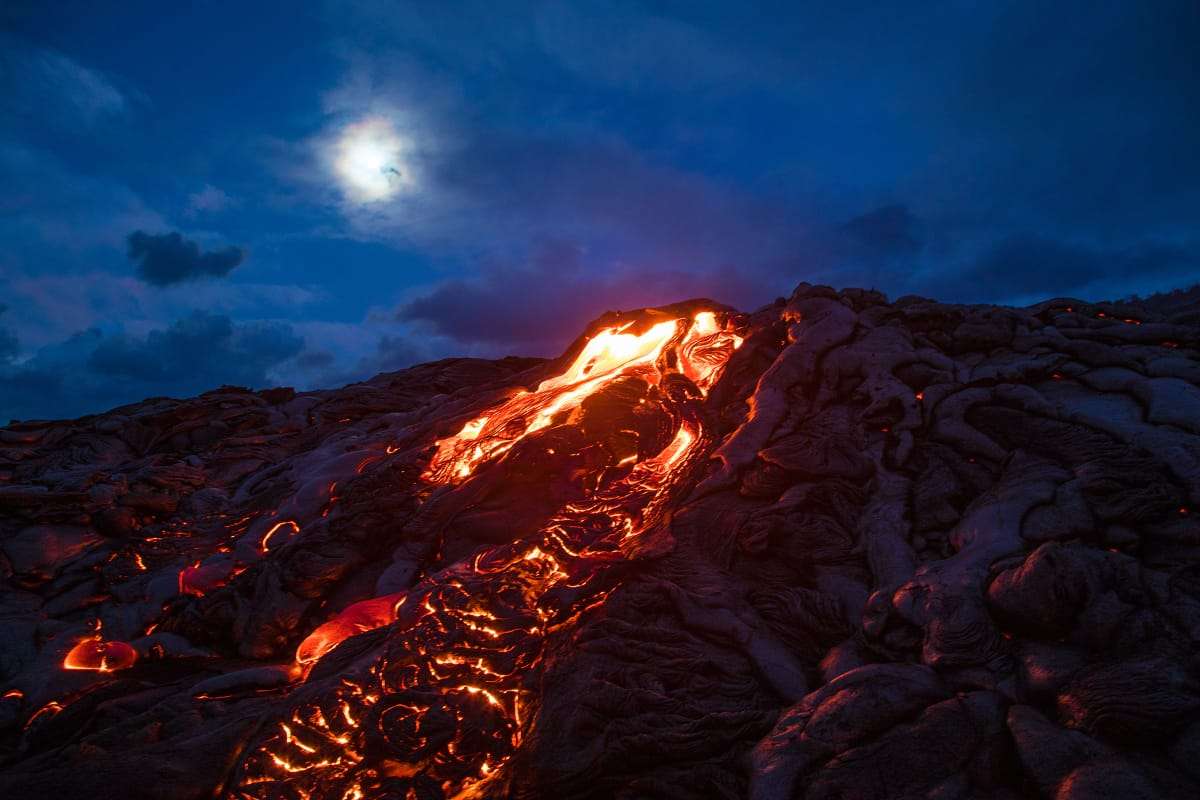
(197,194)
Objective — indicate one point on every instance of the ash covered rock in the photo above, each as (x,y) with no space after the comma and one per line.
(838,547)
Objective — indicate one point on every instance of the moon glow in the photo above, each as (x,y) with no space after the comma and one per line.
(368,160)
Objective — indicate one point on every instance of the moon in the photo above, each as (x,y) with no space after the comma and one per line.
(368,160)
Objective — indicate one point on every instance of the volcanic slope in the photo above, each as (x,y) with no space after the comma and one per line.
(834,548)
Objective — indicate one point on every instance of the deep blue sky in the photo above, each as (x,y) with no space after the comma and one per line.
(173,215)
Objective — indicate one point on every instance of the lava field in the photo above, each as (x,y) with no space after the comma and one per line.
(838,547)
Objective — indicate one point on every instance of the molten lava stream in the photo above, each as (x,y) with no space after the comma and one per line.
(441,709)
(702,349)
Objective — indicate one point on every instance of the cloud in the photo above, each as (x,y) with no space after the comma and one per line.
(10,346)
(165,259)
(209,200)
(888,230)
(52,215)
(627,47)
(338,353)
(1028,268)
(567,159)
(987,124)
(47,308)
(472,186)
(391,352)
(606,43)
(538,306)
(52,87)
(485,195)
(90,372)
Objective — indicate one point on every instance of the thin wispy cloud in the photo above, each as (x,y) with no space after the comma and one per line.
(209,200)
(43,83)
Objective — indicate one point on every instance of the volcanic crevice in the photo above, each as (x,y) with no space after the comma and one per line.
(838,547)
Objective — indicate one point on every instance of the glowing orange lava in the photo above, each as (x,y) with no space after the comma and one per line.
(100,656)
(263,543)
(701,346)
(446,698)
(362,616)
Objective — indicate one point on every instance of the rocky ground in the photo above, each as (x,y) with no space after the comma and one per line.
(835,548)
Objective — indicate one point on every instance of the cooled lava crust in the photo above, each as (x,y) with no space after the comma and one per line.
(835,548)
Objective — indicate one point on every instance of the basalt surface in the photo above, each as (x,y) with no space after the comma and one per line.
(834,548)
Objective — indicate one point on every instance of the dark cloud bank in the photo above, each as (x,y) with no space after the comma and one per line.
(168,258)
(971,154)
(92,371)
(1040,266)
(536,307)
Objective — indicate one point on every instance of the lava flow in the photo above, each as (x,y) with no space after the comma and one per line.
(701,349)
(438,707)
(667,564)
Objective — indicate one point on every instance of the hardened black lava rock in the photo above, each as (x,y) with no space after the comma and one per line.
(927,550)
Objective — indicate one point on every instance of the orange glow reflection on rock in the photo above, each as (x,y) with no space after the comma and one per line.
(188,580)
(200,578)
(100,656)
